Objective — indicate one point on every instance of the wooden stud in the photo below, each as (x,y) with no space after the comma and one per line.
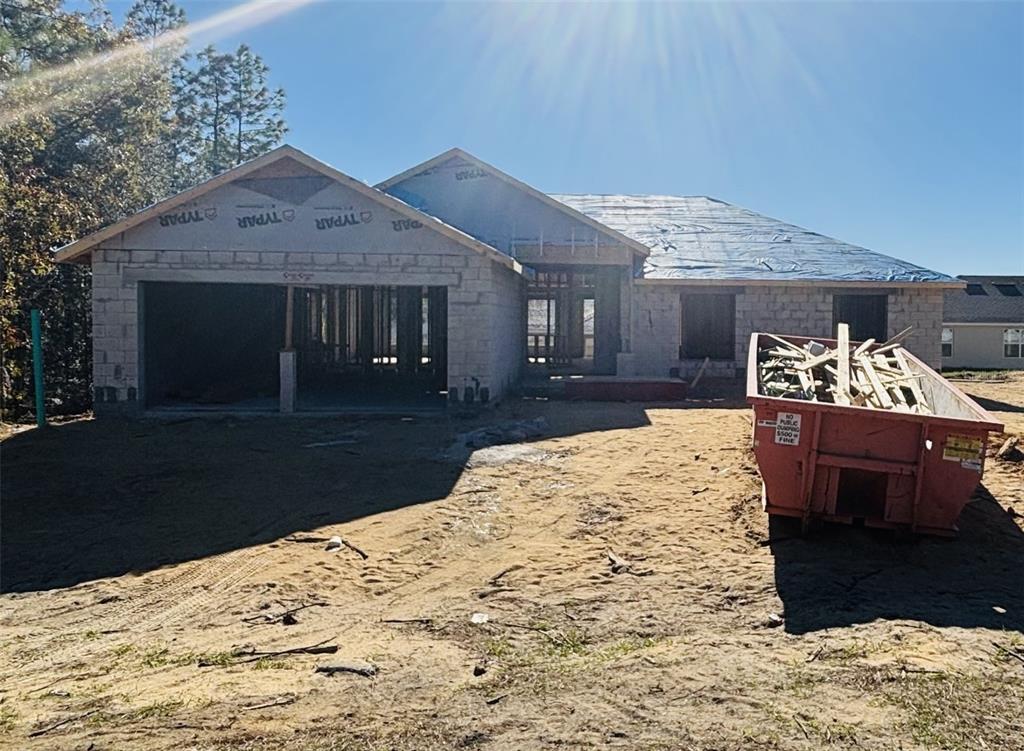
(864,347)
(289,317)
(881,394)
(842,395)
(915,387)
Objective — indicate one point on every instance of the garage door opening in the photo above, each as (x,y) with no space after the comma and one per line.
(211,346)
(368,348)
(215,347)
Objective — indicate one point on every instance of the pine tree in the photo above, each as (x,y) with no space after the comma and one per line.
(148,22)
(148,19)
(254,109)
(207,97)
(85,148)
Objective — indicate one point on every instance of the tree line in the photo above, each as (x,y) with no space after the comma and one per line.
(98,120)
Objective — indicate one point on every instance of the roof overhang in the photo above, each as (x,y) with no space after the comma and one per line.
(78,250)
(637,247)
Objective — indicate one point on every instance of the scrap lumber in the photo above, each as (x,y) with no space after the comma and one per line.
(876,376)
(864,347)
(915,387)
(842,392)
(365,669)
(880,393)
(1009,448)
(696,378)
(895,341)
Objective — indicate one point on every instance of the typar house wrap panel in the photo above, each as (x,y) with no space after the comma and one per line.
(310,214)
(474,198)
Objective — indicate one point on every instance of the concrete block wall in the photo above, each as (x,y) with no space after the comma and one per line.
(801,310)
(656,329)
(485,333)
(483,304)
(922,309)
(116,363)
(508,328)
(808,311)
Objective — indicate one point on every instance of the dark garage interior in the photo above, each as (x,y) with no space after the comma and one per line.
(215,346)
(211,345)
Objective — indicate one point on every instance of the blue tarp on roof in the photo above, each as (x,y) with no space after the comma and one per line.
(695,237)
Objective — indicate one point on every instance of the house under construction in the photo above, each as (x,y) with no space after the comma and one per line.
(286,285)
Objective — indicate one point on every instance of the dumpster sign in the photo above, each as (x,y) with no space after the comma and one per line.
(787,428)
(965,449)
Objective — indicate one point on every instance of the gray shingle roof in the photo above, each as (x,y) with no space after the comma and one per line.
(695,237)
(993,306)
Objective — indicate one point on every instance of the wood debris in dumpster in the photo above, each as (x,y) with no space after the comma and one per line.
(868,375)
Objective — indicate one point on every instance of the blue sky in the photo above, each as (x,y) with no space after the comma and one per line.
(899,127)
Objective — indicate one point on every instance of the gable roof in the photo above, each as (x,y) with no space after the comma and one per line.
(457,153)
(981,301)
(73,251)
(701,239)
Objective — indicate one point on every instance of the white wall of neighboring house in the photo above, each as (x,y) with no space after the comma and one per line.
(980,345)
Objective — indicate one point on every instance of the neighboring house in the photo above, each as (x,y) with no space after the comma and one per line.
(285,284)
(983,324)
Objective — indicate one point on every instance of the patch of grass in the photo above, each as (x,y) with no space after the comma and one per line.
(846,653)
(8,719)
(498,647)
(624,647)
(215,659)
(814,728)
(271,663)
(759,737)
(830,732)
(536,668)
(801,682)
(156,657)
(156,709)
(161,656)
(148,711)
(153,710)
(547,660)
(951,711)
(1014,644)
(570,643)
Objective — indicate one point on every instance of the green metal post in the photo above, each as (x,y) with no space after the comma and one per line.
(37,367)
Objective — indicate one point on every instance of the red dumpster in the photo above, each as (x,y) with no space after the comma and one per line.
(835,462)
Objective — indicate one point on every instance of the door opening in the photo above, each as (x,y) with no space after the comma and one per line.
(573,322)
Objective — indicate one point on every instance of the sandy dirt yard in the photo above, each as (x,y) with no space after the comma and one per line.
(160,576)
